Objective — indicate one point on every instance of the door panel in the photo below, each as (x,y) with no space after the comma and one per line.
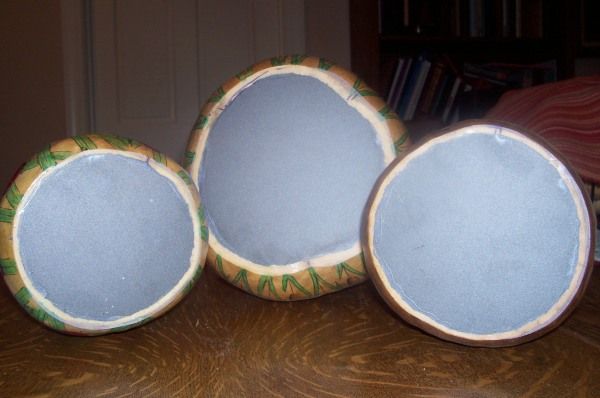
(144,72)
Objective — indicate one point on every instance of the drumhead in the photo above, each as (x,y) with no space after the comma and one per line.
(481,236)
(105,239)
(285,166)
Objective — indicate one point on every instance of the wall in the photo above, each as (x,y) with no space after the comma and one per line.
(31,80)
(328,30)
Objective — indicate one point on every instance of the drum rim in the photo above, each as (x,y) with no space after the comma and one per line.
(35,171)
(322,274)
(380,280)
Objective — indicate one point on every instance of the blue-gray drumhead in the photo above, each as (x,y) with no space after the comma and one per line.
(104,236)
(287,171)
(480,233)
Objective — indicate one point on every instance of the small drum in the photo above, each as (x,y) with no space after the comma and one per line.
(100,234)
(285,155)
(481,236)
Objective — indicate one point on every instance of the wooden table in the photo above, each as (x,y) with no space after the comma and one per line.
(222,342)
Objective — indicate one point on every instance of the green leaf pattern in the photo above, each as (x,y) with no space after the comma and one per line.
(289,284)
(318,281)
(243,75)
(159,157)
(388,113)
(121,142)
(298,59)
(362,90)
(203,228)
(30,164)
(241,279)
(188,158)
(201,122)
(46,159)
(188,287)
(278,61)
(23,296)
(324,64)
(7,215)
(201,214)
(220,269)
(13,196)
(267,280)
(290,280)
(204,233)
(185,176)
(217,95)
(344,267)
(8,266)
(399,142)
(84,143)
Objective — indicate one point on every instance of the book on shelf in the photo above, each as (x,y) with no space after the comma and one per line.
(404,67)
(422,86)
(409,87)
(417,91)
(394,86)
(430,87)
(456,85)
(437,87)
(441,94)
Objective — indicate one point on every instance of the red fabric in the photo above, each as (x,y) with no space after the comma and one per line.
(566,114)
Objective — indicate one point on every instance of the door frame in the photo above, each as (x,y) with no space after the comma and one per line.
(76,64)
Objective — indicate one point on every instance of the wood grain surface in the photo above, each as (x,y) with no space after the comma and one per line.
(220,341)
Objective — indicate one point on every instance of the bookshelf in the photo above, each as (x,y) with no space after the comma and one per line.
(510,37)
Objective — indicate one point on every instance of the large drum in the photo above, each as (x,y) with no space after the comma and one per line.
(481,236)
(100,234)
(285,155)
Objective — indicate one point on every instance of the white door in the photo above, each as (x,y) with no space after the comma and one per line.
(155,62)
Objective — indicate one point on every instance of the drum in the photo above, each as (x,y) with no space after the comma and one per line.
(285,155)
(100,234)
(481,236)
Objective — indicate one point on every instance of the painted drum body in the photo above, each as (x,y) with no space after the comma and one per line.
(481,236)
(100,234)
(285,155)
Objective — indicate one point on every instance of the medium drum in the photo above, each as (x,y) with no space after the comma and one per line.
(100,234)
(481,236)
(285,155)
